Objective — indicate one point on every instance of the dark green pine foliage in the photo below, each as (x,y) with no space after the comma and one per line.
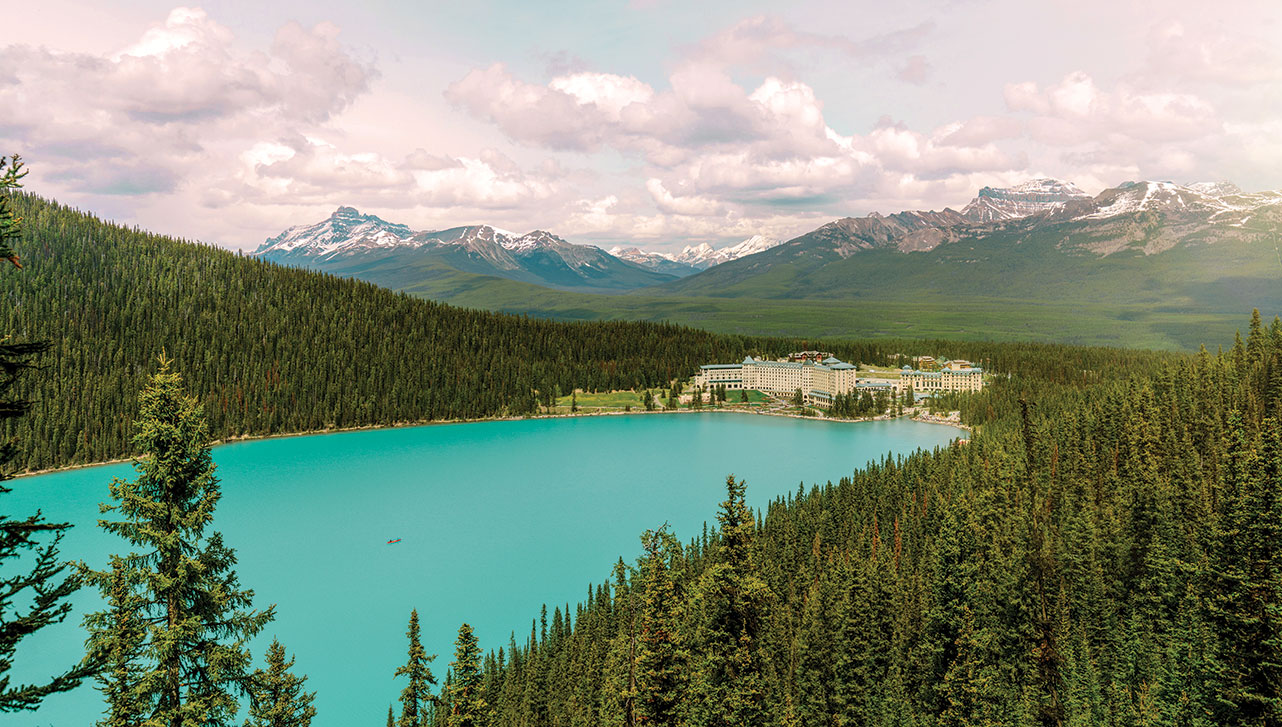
(464,698)
(120,655)
(730,609)
(1245,593)
(660,672)
(11,175)
(191,661)
(817,701)
(36,598)
(276,696)
(417,701)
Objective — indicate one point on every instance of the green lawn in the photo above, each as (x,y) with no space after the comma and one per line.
(754,397)
(604,400)
(881,373)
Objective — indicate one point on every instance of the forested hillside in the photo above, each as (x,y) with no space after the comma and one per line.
(270,349)
(1105,551)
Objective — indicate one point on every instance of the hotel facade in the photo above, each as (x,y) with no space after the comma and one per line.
(951,376)
(822,381)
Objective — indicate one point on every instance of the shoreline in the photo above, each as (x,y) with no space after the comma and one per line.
(440,422)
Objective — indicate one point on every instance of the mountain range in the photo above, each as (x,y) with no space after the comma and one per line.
(1151,242)
(1171,257)
(365,246)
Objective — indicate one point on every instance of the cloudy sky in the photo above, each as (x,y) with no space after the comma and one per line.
(655,122)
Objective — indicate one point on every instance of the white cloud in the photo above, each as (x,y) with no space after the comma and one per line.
(713,146)
(685,204)
(179,98)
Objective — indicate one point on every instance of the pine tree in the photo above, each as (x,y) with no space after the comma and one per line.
(1255,337)
(43,591)
(416,698)
(730,611)
(11,174)
(660,682)
(276,697)
(184,589)
(466,700)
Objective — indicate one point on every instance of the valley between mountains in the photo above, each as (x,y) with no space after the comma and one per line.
(1175,264)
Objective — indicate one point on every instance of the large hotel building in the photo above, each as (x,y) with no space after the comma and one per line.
(820,381)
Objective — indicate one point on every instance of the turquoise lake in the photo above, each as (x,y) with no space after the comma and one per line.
(497,518)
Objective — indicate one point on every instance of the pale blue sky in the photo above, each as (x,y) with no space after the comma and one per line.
(654,122)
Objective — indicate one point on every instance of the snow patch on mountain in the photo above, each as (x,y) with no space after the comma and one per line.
(704,255)
(345,229)
(1222,202)
(998,204)
(1216,189)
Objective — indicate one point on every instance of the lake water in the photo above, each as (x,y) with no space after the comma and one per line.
(496,518)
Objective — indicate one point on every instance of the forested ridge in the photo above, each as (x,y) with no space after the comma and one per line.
(1101,553)
(270,349)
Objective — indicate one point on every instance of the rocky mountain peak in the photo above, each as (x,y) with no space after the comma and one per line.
(997,204)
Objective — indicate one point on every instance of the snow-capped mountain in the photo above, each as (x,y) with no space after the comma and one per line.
(1130,197)
(995,204)
(1216,189)
(695,257)
(345,230)
(1043,222)
(656,261)
(703,255)
(351,243)
(1219,203)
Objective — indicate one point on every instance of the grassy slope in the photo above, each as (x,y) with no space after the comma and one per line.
(931,316)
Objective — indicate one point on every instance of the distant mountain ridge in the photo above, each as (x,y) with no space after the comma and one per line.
(348,242)
(359,245)
(1019,238)
(694,258)
(1141,246)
